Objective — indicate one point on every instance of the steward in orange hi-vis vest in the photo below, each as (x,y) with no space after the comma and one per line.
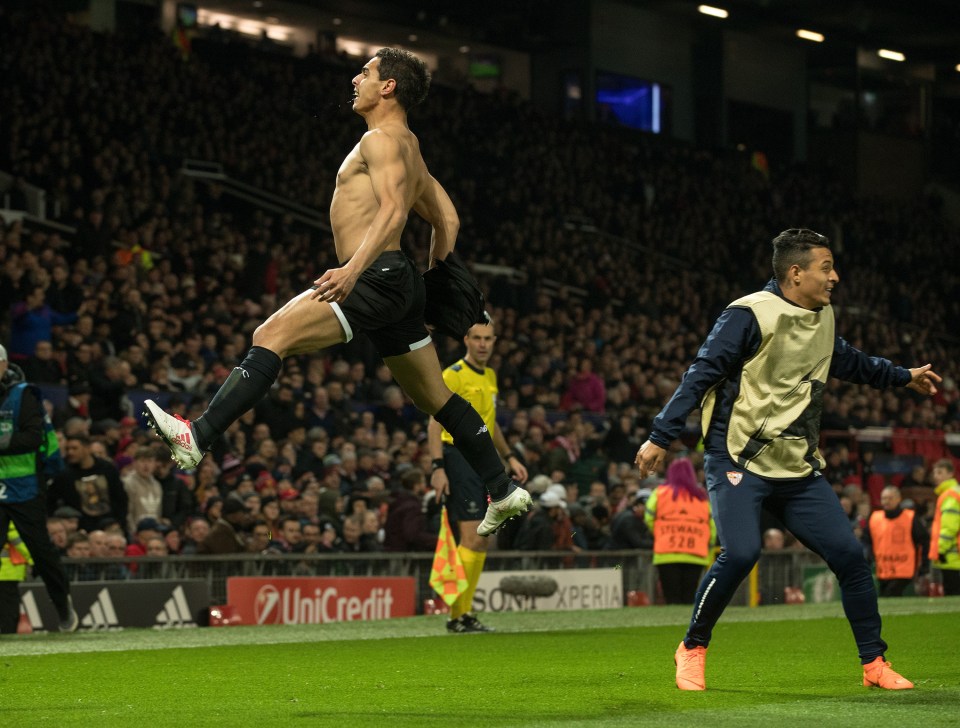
(897,539)
(894,550)
(682,524)
(678,514)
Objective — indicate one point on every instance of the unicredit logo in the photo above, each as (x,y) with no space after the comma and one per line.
(265,605)
(293,605)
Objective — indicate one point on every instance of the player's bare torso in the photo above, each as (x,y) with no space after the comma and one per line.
(355,204)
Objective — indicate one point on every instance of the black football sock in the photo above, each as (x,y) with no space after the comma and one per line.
(471,438)
(246,385)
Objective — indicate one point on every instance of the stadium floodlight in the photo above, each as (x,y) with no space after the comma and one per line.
(810,35)
(891,55)
(710,10)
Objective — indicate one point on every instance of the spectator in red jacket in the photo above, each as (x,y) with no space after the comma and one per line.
(585,389)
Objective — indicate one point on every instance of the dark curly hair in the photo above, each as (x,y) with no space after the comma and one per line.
(410,73)
(792,247)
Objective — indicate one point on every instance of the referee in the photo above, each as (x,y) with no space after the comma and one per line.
(473,380)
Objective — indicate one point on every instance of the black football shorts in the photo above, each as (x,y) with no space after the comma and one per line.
(387,304)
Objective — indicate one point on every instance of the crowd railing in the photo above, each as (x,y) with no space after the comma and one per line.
(777,570)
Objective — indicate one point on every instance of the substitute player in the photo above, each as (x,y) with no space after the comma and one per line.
(759,380)
(473,380)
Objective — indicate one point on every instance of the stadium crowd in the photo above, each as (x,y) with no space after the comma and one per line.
(616,251)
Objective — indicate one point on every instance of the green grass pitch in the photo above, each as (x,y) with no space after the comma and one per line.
(772,667)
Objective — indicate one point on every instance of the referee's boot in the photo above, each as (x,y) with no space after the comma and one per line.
(879,674)
(177,433)
(467,623)
(691,666)
(516,502)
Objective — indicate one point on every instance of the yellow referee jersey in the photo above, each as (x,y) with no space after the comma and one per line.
(478,387)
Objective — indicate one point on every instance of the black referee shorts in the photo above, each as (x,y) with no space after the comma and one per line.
(468,496)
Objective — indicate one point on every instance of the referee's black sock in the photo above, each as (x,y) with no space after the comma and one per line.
(471,438)
(246,385)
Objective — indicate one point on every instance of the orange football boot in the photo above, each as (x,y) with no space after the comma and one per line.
(879,674)
(690,667)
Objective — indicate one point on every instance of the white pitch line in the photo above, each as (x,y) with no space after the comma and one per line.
(506,623)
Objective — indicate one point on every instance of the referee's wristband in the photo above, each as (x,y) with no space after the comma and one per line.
(437,464)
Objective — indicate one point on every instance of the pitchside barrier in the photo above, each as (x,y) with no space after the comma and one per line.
(112,605)
(587,580)
(633,567)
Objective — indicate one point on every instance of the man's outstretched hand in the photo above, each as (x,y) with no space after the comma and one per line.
(924,380)
(649,458)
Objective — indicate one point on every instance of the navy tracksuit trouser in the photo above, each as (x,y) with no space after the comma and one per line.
(811,511)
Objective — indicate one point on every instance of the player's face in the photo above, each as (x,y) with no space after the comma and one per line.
(479,341)
(817,280)
(366,86)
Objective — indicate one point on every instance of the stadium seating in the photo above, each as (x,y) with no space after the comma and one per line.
(174,269)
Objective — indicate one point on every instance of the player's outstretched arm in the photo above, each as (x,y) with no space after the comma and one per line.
(436,207)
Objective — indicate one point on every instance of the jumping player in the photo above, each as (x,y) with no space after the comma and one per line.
(376,290)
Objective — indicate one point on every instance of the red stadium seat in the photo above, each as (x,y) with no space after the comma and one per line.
(875,484)
(932,445)
(900,441)
(853,479)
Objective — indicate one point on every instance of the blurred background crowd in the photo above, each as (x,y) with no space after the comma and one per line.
(606,255)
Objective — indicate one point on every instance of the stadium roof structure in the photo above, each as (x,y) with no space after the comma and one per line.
(926,31)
